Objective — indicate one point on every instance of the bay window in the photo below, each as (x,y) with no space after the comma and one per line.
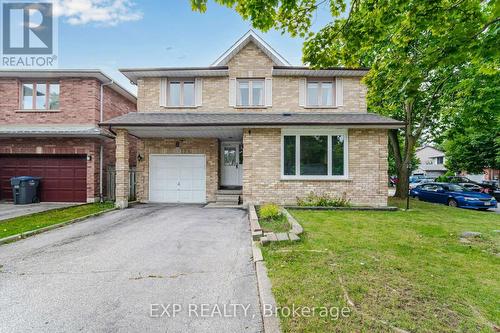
(40,96)
(312,154)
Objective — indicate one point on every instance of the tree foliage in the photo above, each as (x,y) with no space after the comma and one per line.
(416,51)
(472,141)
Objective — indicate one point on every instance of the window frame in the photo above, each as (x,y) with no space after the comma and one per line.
(35,107)
(315,132)
(181,82)
(320,81)
(250,92)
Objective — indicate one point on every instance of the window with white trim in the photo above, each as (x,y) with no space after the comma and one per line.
(311,154)
(40,95)
(320,93)
(250,92)
(181,93)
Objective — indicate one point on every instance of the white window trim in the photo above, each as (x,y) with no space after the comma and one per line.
(181,97)
(250,93)
(314,132)
(320,94)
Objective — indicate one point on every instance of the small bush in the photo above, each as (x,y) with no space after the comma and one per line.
(323,200)
(269,212)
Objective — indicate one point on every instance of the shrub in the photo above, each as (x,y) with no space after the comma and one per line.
(323,200)
(269,211)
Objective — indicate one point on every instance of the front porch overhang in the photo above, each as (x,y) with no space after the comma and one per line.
(230,125)
(222,133)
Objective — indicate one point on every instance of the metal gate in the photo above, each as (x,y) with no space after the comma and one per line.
(111,182)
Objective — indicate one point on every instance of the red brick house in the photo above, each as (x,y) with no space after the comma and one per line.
(49,128)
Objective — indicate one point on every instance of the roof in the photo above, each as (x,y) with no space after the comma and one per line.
(53,130)
(324,72)
(219,68)
(69,73)
(250,36)
(206,119)
(429,147)
(133,74)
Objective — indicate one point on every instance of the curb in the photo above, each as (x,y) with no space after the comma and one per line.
(381,209)
(30,233)
(271,323)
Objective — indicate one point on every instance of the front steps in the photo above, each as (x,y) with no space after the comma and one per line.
(228,197)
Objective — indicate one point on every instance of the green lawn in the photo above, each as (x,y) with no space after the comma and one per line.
(35,221)
(400,270)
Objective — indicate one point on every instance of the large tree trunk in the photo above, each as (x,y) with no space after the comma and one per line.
(402,160)
(402,185)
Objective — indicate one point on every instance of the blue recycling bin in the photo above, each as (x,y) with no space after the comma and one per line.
(25,189)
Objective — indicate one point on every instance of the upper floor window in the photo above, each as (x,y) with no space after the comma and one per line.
(439,160)
(320,93)
(250,92)
(181,93)
(40,95)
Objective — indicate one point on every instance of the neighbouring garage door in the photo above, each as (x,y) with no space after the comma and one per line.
(177,178)
(64,178)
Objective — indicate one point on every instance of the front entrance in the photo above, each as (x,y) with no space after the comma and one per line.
(231,164)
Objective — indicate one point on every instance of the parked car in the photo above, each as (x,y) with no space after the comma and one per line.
(488,188)
(472,187)
(420,181)
(453,195)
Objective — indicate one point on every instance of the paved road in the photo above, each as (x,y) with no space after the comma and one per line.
(9,210)
(102,275)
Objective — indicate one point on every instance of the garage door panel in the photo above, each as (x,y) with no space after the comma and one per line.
(177,178)
(64,178)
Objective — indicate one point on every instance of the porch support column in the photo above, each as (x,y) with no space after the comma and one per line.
(122,169)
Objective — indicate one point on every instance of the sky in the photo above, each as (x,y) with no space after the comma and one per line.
(113,34)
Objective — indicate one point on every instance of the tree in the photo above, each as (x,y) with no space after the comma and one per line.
(472,141)
(415,50)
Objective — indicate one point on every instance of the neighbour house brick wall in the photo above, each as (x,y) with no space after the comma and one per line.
(367,183)
(209,147)
(79,105)
(251,62)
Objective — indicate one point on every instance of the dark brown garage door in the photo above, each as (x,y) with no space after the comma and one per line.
(64,178)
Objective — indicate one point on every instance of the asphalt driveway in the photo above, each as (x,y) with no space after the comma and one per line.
(128,270)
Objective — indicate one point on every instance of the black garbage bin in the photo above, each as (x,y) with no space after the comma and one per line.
(25,189)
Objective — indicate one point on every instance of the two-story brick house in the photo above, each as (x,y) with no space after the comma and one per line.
(49,128)
(251,123)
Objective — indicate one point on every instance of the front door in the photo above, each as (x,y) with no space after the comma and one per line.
(231,164)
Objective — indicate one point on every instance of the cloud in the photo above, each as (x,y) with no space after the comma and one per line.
(105,12)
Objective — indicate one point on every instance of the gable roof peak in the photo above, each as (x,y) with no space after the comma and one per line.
(251,36)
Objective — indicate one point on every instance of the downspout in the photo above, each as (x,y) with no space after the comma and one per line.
(101,148)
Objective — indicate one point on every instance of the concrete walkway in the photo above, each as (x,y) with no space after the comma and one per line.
(9,210)
(120,272)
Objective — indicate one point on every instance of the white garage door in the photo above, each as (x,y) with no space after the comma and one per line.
(177,178)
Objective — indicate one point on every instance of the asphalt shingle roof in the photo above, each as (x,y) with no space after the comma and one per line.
(250,118)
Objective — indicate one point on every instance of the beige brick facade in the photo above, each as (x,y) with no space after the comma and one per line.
(122,168)
(251,62)
(367,183)
(367,159)
(208,147)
